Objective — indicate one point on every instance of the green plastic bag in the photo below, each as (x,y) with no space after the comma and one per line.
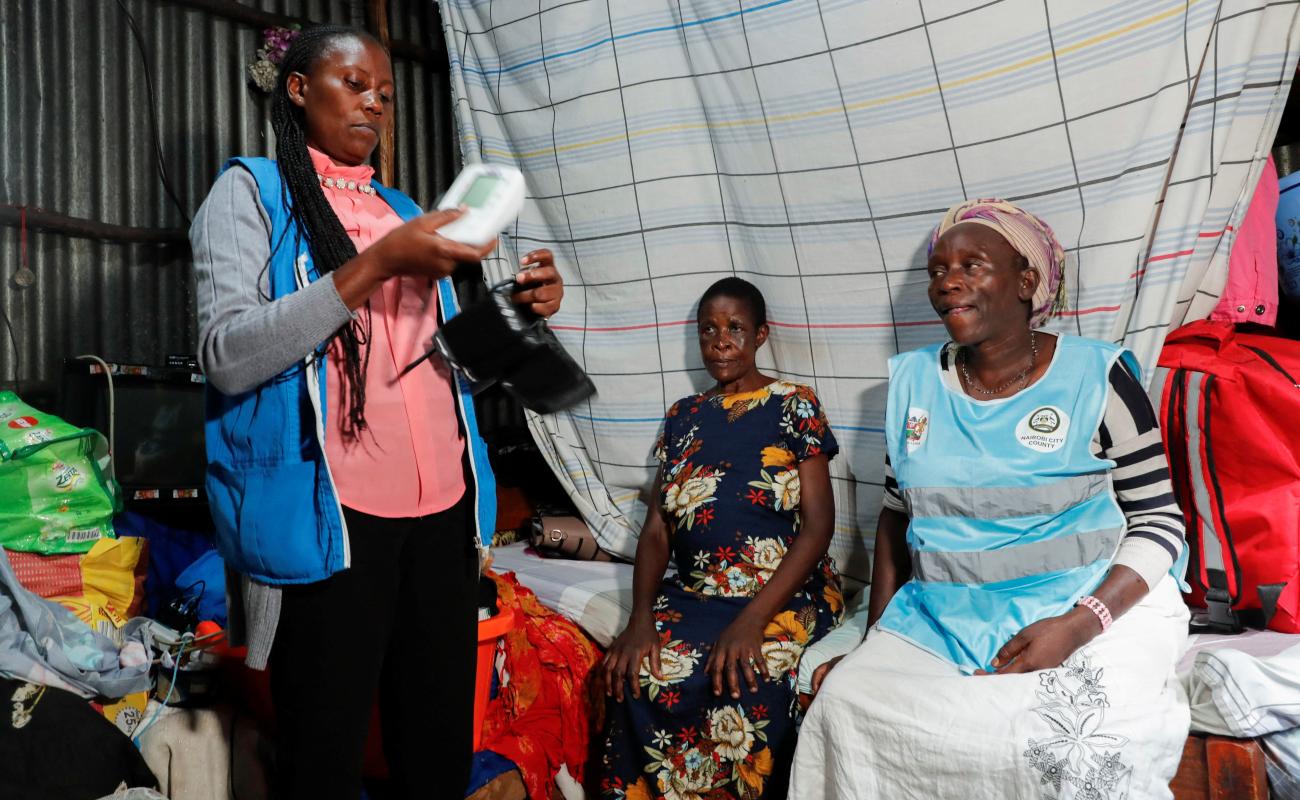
(55,497)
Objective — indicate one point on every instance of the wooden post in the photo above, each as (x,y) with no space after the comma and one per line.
(1221,768)
(1236,767)
(1193,779)
(387,160)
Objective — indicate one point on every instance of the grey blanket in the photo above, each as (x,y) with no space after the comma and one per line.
(43,642)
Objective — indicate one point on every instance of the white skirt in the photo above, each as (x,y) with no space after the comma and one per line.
(893,721)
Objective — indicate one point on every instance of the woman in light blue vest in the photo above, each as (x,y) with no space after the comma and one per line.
(1025,610)
(355,500)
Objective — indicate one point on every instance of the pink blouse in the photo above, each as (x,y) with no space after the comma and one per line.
(407,463)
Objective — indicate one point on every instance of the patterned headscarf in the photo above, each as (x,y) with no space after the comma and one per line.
(1030,236)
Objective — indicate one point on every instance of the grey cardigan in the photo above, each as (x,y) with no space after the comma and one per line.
(245,339)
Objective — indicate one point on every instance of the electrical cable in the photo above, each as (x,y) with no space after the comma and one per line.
(153,113)
(112,412)
(13,337)
(18,389)
(176,669)
(202,586)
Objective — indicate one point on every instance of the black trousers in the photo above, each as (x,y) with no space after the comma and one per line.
(402,620)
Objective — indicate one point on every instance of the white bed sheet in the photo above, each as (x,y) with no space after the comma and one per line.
(597,595)
(1243,685)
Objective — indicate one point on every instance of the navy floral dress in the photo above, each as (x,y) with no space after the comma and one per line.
(731,492)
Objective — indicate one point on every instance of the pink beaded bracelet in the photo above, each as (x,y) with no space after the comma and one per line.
(1099,608)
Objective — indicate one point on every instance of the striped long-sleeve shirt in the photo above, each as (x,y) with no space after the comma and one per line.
(1130,436)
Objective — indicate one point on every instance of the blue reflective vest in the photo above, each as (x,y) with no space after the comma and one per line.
(1012,518)
(276,513)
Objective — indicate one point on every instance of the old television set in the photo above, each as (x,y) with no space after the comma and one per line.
(155,418)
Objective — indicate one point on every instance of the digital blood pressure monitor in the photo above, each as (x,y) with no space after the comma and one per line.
(492,195)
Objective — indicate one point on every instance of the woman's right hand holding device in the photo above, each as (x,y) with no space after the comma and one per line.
(414,248)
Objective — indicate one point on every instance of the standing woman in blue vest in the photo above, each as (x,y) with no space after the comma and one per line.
(354,503)
(1025,610)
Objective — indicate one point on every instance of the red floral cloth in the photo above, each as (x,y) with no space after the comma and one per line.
(541,717)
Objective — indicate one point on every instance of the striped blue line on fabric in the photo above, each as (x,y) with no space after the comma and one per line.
(1084,28)
(620,37)
(1167,30)
(615,419)
(738,123)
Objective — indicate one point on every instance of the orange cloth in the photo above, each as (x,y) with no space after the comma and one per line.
(408,463)
(541,718)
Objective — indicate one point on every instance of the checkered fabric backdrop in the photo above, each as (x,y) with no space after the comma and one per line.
(811,145)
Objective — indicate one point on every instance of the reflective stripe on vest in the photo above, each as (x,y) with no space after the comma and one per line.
(1000,502)
(1012,563)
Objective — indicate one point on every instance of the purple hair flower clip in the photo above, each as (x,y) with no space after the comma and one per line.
(275,43)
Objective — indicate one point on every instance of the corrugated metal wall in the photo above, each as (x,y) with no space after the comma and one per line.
(74,115)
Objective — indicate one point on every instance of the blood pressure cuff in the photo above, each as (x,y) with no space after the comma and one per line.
(496,341)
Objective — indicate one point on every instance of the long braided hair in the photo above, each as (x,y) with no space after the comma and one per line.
(328,242)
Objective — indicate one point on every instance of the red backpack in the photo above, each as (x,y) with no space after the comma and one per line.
(1230,414)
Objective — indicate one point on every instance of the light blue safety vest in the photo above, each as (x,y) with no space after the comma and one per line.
(274,507)
(1012,517)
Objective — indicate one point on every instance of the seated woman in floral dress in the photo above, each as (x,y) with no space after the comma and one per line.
(704,673)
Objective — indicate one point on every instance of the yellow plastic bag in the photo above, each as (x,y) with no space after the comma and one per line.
(127,713)
(112,583)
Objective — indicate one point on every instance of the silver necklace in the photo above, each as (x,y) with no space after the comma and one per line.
(1021,377)
(340,183)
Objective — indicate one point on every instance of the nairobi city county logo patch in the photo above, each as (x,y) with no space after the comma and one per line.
(1044,429)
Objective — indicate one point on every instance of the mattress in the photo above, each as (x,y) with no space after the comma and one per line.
(1260,644)
(597,595)
(1243,685)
